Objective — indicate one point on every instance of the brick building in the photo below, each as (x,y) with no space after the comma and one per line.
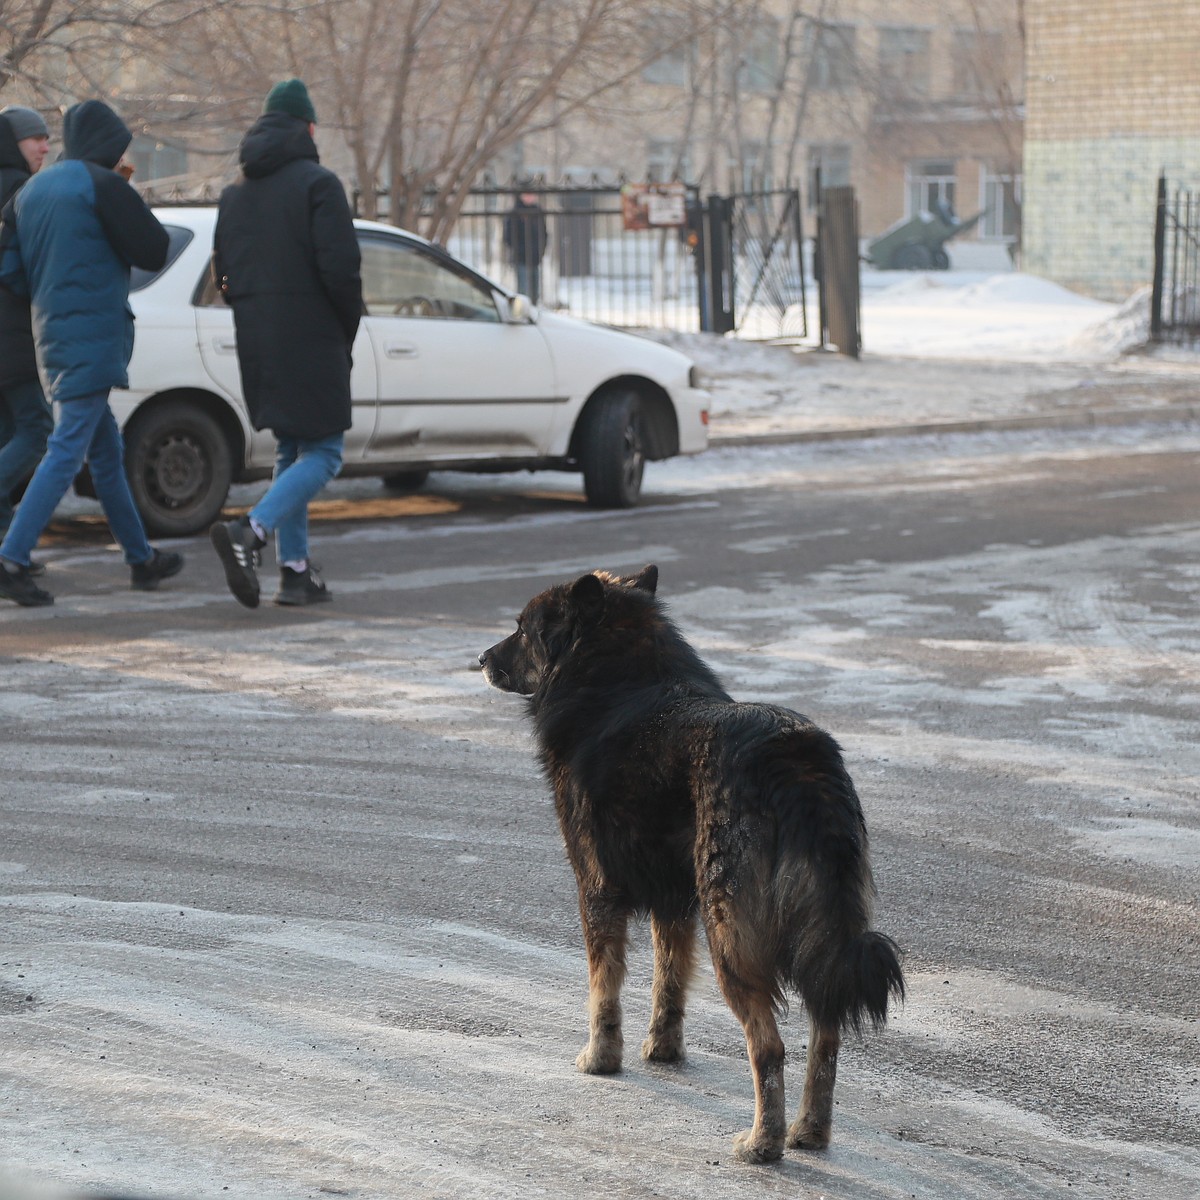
(1112,99)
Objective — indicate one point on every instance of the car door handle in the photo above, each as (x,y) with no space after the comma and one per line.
(226,345)
(399,350)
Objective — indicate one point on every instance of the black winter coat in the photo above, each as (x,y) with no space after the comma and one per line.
(287,260)
(18,362)
(525,233)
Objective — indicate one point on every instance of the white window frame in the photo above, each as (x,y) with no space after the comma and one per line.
(919,177)
(991,198)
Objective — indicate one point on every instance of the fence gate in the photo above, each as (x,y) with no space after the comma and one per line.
(734,266)
(1175,296)
(765,241)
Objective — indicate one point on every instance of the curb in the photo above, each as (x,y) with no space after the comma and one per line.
(1079,418)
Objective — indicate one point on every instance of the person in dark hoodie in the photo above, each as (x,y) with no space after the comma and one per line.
(25,416)
(286,258)
(68,240)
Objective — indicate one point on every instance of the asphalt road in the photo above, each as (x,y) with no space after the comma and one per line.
(285,912)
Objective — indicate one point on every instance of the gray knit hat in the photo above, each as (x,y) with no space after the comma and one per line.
(25,122)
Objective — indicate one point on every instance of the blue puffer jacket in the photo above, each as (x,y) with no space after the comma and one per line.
(69,238)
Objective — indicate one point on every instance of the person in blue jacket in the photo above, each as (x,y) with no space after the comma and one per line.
(67,240)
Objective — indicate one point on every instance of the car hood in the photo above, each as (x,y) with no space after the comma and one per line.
(626,352)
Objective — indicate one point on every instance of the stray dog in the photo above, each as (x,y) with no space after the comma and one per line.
(673,799)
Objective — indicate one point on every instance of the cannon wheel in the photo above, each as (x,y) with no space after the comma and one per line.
(913,256)
(941,260)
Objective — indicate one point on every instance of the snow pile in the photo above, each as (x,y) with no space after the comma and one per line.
(968,315)
(1127,329)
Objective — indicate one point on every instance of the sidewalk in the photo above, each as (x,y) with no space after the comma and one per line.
(768,395)
(951,352)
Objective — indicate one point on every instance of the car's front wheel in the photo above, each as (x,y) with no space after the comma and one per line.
(405,481)
(180,466)
(612,449)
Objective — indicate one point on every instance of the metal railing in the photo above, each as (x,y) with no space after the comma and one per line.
(1175,295)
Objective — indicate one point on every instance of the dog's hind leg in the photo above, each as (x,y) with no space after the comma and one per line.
(763,1142)
(674,962)
(604,933)
(811,1128)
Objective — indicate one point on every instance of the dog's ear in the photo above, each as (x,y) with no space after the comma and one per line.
(587,594)
(646,579)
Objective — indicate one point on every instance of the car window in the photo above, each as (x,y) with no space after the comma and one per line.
(403,280)
(178,238)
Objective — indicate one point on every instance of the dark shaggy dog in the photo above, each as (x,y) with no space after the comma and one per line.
(676,800)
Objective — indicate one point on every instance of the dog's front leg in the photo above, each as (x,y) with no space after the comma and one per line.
(674,962)
(604,932)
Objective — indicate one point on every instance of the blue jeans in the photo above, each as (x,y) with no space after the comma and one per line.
(529,280)
(86,431)
(302,469)
(25,423)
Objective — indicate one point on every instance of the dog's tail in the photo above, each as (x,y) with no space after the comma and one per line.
(855,983)
(822,890)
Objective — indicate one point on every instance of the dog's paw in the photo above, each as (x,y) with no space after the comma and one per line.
(754,1147)
(599,1060)
(806,1134)
(664,1049)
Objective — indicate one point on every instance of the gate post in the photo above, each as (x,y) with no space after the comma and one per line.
(838,279)
(719,261)
(1160,248)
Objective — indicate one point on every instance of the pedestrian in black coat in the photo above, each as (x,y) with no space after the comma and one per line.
(525,238)
(25,417)
(286,259)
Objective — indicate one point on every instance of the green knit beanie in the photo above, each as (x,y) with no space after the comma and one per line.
(291,97)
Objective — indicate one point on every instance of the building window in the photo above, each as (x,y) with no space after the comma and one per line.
(758,57)
(904,60)
(828,166)
(1000,197)
(752,171)
(671,67)
(979,63)
(929,185)
(666,161)
(833,62)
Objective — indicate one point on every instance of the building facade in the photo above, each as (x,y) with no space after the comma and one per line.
(1113,99)
(910,101)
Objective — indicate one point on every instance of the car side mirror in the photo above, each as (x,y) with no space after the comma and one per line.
(517,310)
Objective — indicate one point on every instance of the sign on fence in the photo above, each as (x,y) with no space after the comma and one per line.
(653,206)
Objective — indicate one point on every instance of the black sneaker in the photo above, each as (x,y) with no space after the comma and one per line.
(16,584)
(162,564)
(301,587)
(36,569)
(238,547)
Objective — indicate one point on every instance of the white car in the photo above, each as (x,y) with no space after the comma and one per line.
(451,372)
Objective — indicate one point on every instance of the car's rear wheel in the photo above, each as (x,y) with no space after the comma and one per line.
(180,467)
(612,449)
(405,481)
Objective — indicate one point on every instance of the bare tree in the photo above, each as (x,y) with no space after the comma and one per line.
(52,49)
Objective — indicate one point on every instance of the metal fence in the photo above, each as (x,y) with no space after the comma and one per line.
(734,265)
(1175,296)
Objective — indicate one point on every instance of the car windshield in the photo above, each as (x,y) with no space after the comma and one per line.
(179,238)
